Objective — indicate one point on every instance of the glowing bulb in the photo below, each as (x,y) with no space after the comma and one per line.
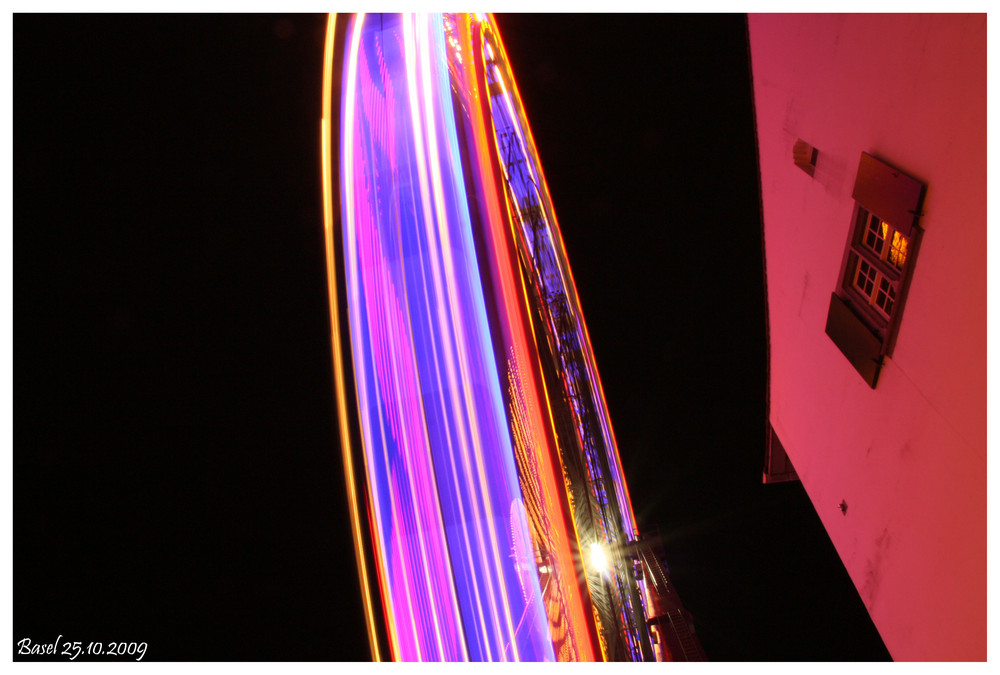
(597,558)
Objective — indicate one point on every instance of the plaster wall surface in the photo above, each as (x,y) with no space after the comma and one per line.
(908,457)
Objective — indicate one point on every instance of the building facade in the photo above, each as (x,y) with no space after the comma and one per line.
(872,145)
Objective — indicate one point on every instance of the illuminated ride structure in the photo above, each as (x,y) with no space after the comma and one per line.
(490,513)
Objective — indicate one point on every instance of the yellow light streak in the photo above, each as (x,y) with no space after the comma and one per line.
(338,359)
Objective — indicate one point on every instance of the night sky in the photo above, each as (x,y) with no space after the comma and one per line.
(177,476)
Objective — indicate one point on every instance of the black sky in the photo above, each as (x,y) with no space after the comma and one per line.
(177,477)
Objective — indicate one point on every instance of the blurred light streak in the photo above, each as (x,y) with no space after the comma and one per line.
(345,442)
(471,532)
(621,485)
(512,102)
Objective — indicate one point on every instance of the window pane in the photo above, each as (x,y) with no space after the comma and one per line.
(885,297)
(864,280)
(897,250)
(875,236)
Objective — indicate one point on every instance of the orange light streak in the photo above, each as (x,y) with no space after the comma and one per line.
(570,286)
(338,361)
(514,291)
(456,337)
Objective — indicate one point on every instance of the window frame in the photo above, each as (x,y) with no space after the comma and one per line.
(859,250)
(879,189)
(884,325)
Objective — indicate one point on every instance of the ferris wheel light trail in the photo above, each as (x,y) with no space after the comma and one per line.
(477,446)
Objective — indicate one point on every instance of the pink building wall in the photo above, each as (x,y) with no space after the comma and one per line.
(908,457)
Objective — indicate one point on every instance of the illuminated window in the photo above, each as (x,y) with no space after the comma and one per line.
(876,267)
(897,250)
(865,309)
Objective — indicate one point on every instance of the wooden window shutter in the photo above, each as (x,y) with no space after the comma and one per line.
(855,340)
(888,193)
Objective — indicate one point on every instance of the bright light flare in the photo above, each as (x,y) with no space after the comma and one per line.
(598,559)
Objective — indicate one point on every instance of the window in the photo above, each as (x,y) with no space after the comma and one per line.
(876,266)
(865,309)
